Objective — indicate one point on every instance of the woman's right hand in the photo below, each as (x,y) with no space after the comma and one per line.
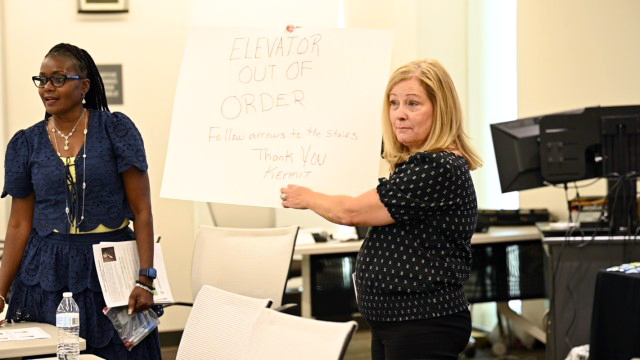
(295,197)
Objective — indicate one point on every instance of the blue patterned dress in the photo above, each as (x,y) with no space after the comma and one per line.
(56,261)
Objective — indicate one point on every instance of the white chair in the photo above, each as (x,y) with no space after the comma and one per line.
(250,262)
(281,336)
(219,325)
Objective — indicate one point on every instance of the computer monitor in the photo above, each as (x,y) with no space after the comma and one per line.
(575,145)
(516,145)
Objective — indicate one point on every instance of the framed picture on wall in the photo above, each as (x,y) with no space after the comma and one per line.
(102,6)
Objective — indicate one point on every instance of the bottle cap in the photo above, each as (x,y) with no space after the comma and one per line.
(67,294)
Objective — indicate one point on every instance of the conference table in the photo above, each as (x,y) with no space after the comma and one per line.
(34,347)
(82,357)
(335,260)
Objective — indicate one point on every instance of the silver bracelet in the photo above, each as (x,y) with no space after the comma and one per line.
(144,287)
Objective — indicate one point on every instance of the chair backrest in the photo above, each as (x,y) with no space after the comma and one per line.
(282,336)
(250,262)
(219,325)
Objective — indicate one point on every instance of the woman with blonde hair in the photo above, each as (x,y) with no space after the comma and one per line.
(415,260)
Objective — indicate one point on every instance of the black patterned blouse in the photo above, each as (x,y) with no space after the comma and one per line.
(416,268)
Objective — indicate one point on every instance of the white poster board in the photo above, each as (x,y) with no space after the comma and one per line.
(257,109)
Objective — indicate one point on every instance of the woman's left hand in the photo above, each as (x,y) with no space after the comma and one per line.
(139,300)
(295,197)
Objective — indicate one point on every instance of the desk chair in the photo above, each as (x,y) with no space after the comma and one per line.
(250,262)
(281,336)
(219,325)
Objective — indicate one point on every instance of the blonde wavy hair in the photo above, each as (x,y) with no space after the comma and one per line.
(447,132)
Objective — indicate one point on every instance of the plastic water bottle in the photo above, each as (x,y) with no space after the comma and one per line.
(68,324)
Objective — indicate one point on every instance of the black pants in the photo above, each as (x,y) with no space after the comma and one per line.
(438,338)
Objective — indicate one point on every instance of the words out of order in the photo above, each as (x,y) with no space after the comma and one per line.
(235,105)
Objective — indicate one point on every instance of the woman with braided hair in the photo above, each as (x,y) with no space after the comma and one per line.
(76,178)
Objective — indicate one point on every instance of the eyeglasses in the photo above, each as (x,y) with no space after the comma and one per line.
(57,80)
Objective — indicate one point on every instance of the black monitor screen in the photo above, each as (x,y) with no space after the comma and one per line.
(517,153)
(569,138)
(575,145)
(570,146)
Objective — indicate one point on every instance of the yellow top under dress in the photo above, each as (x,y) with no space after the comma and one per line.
(70,162)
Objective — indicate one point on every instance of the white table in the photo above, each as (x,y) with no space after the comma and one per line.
(496,234)
(20,348)
(82,357)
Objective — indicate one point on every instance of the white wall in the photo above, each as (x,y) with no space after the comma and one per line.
(471,39)
(422,28)
(574,54)
(492,89)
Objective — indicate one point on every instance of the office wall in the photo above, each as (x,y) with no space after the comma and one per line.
(475,40)
(422,28)
(574,54)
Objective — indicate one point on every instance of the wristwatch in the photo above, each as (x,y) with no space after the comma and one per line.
(151,273)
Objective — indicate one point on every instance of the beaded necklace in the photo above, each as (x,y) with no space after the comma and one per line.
(66,137)
(67,210)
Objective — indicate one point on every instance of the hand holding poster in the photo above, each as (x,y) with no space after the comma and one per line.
(258,109)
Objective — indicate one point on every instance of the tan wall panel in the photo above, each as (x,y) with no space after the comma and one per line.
(574,54)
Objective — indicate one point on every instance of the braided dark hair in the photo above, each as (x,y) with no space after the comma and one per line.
(95,98)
